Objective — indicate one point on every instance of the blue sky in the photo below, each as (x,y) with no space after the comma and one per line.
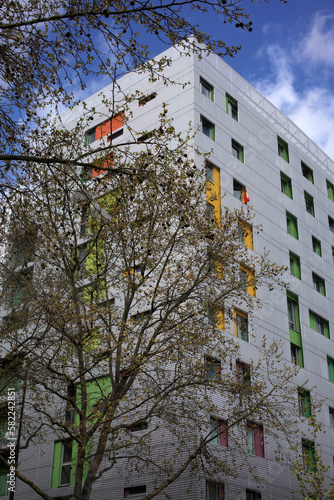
(289,57)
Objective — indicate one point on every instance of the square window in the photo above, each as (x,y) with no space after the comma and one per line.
(307,172)
(304,403)
(331,224)
(243,377)
(316,246)
(255,445)
(330,190)
(309,203)
(214,491)
(292,225)
(308,451)
(237,150)
(295,265)
(319,284)
(319,324)
(330,364)
(218,429)
(286,186)
(331,417)
(208,128)
(232,107)
(206,89)
(283,149)
(296,355)
(212,369)
(241,325)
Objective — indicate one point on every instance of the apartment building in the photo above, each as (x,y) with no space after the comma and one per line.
(259,159)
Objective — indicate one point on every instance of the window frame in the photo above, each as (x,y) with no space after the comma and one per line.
(219,427)
(304,402)
(217,491)
(292,225)
(330,190)
(243,377)
(212,365)
(307,172)
(295,268)
(309,204)
(131,491)
(319,284)
(241,320)
(283,149)
(208,87)
(237,150)
(255,440)
(232,107)
(208,128)
(286,185)
(308,449)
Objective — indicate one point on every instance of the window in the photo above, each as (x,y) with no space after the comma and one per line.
(82,260)
(69,411)
(319,324)
(253,495)
(84,220)
(330,364)
(18,288)
(330,190)
(142,426)
(295,265)
(62,463)
(319,284)
(283,149)
(316,245)
(208,128)
(296,355)
(331,417)
(106,128)
(291,225)
(307,172)
(293,312)
(309,203)
(247,280)
(214,491)
(218,430)
(209,171)
(286,186)
(210,210)
(255,445)
(146,137)
(245,232)
(243,377)
(90,136)
(240,192)
(237,150)
(308,455)
(134,490)
(144,100)
(206,89)
(232,107)
(241,325)
(212,369)
(304,402)
(331,224)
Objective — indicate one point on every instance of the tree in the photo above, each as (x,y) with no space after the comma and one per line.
(120,328)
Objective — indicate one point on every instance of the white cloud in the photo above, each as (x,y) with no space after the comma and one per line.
(317,46)
(308,102)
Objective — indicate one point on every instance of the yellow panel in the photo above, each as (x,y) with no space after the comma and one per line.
(213,195)
(220,320)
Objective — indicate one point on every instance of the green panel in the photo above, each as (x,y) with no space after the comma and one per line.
(74,461)
(295,338)
(305,403)
(313,323)
(292,225)
(241,156)
(330,362)
(56,464)
(287,185)
(213,133)
(283,149)
(326,329)
(295,265)
(322,287)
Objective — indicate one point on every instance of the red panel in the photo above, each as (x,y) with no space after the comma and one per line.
(258,441)
(102,130)
(117,122)
(223,437)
